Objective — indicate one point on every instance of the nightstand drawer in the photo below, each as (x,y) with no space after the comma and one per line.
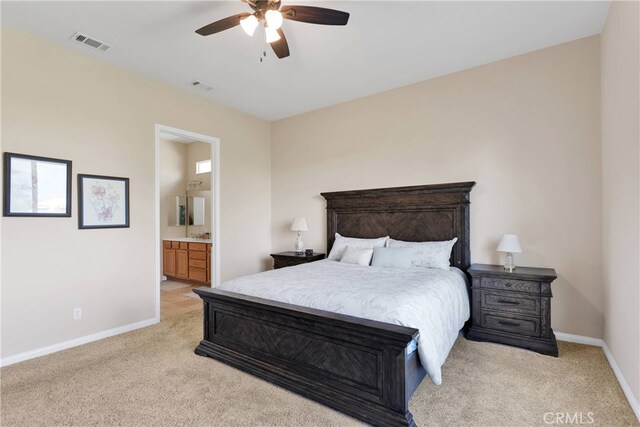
(289,259)
(511,302)
(510,284)
(514,324)
(280,263)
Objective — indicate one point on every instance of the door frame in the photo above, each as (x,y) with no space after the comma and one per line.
(161,130)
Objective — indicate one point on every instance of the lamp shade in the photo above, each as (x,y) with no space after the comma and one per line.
(299,224)
(509,243)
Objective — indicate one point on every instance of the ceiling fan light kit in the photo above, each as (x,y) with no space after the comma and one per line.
(249,24)
(271,15)
(271,34)
(274,19)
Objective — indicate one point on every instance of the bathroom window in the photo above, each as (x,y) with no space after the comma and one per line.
(203,166)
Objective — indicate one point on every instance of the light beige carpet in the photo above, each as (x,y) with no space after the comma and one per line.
(152,377)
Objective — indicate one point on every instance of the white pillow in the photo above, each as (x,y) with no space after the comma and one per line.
(427,254)
(392,257)
(341,243)
(358,256)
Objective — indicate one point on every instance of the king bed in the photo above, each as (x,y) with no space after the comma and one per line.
(359,339)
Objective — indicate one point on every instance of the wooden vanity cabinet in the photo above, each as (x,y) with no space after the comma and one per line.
(182,264)
(187,261)
(209,263)
(198,262)
(169,260)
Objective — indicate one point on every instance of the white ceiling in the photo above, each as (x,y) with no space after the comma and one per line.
(387,44)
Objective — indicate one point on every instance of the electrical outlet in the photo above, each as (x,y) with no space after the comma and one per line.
(77,313)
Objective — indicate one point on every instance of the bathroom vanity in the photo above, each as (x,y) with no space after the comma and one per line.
(187,259)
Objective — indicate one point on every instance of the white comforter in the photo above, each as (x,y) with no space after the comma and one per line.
(433,301)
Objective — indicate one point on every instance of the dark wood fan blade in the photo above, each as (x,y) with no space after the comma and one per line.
(281,47)
(315,15)
(221,25)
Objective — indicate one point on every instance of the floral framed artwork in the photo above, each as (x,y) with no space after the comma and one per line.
(103,201)
(36,186)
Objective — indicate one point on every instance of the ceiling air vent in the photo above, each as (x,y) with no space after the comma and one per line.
(88,41)
(201,86)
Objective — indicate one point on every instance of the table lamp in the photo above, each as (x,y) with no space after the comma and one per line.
(299,225)
(509,244)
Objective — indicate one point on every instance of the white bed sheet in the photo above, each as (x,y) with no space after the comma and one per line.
(433,301)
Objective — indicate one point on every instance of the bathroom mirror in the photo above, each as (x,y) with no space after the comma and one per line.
(195,210)
(177,208)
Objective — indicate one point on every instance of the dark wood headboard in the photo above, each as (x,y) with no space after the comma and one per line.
(417,213)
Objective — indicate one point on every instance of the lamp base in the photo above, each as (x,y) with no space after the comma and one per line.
(508,262)
(299,250)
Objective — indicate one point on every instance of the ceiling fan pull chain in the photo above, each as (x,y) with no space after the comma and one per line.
(264,48)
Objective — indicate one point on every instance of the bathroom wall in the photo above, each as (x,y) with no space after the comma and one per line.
(173,182)
(196,152)
(177,174)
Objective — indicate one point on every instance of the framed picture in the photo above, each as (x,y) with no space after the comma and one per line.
(103,202)
(36,186)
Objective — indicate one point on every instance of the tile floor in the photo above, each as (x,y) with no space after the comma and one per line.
(175,302)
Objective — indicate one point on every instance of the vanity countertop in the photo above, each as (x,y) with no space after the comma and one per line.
(189,240)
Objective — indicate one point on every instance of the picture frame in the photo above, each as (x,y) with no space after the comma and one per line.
(103,202)
(35,186)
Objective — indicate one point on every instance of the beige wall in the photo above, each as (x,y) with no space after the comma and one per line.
(61,104)
(526,129)
(621,189)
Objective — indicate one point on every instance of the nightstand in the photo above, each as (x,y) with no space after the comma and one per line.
(512,308)
(288,259)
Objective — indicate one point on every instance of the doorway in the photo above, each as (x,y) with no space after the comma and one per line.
(187,200)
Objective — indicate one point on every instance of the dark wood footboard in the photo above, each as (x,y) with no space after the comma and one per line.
(357,366)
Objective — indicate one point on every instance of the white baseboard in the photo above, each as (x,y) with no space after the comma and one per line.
(623,383)
(579,339)
(76,342)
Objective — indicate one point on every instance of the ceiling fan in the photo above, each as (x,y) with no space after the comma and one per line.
(271,14)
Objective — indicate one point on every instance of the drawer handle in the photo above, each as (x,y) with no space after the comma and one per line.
(507,285)
(503,322)
(508,301)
